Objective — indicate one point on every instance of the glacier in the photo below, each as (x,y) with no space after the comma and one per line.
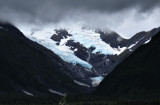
(87,37)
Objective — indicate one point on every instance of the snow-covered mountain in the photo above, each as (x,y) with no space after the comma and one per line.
(58,61)
(92,53)
(61,42)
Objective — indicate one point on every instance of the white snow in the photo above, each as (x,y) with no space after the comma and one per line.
(80,83)
(55,92)
(75,49)
(64,41)
(43,37)
(27,93)
(87,37)
(96,80)
(132,45)
(147,41)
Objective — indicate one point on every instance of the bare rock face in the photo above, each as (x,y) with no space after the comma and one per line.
(60,34)
(112,38)
(79,50)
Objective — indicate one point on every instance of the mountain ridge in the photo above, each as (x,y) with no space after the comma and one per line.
(48,70)
(137,76)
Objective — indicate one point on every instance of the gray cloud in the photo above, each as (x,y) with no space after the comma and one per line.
(115,14)
(56,9)
(99,5)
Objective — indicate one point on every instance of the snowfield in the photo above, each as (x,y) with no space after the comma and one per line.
(87,37)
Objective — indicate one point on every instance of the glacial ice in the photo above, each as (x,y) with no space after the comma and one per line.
(87,37)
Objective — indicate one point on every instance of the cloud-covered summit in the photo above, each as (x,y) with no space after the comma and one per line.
(119,15)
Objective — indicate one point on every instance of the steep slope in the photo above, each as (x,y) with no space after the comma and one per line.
(112,38)
(29,68)
(59,62)
(137,77)
(91,53)
(116,41)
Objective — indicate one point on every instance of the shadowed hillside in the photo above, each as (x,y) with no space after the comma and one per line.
(137,77)
(28,68)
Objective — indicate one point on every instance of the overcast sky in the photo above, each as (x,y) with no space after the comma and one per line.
(126,17)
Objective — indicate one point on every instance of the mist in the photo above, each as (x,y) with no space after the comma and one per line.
(124,17)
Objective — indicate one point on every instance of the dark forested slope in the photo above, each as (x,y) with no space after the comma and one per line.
(137,77)
(26,66)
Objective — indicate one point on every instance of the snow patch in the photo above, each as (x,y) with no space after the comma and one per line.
(80,83)
(55,92)
(147,41)
(27,93)
(64,41)
(75,49)
(96,80)
(132,45)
